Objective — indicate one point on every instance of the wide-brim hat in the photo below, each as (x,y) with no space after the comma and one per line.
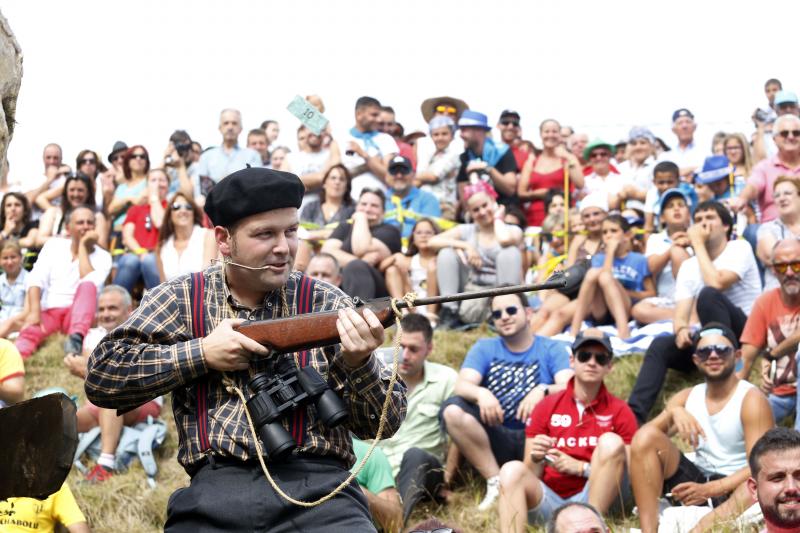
(428,107)
(473,119)
(597,143)
(715,168)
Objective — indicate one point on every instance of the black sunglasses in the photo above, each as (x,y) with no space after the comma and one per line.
(509,123)
(602,358)
(785,133)
(88,161)
(511,310)
(722,350)
(178,206)
(139,156)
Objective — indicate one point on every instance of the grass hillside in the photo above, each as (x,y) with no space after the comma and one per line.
(126,504)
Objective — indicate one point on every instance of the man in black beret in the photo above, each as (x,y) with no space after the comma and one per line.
(183,337)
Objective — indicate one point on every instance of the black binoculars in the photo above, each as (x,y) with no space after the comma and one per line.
(275,397)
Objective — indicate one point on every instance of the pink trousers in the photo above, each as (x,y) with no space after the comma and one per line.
(75,319)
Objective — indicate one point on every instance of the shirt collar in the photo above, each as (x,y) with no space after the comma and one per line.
(218,280)
(602,394)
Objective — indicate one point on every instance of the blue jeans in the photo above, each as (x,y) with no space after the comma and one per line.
(783,406)
(132,267)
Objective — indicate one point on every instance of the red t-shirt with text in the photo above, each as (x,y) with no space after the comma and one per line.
(576,434)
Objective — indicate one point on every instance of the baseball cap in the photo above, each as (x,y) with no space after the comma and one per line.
(785,97)
(682,112)
(509,113)
(399,161)
(592,335)
(668,195)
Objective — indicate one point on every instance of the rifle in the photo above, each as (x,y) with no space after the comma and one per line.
(314,330)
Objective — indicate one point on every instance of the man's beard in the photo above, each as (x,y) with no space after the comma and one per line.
(786,520)
(722,376)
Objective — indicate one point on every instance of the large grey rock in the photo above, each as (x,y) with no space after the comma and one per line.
(10,79)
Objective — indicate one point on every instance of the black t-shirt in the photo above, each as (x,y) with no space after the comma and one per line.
(507,163)
(386,233)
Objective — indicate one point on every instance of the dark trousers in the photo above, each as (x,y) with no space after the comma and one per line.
(237,497)
(361,279)
(420,477)
(712,306)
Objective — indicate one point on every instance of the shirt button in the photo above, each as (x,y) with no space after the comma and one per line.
(358,380)
(269,304)
(372,417)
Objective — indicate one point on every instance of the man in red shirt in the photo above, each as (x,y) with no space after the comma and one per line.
(577,444)
(771,329)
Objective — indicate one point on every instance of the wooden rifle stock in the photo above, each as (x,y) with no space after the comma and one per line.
(313,330)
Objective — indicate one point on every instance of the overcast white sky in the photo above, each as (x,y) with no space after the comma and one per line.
(98,71)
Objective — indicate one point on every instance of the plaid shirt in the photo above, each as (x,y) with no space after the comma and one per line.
(153,353)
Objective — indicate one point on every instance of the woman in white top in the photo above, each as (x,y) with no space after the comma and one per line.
(184,245)
(416,269)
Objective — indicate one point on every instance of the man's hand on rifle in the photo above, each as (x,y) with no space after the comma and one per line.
(225,349)
(359,336)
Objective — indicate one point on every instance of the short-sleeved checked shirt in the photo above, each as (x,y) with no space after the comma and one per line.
(153,353)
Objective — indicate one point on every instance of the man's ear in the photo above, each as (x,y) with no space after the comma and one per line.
(223,238)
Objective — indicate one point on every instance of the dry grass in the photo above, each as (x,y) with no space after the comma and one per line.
(126,504)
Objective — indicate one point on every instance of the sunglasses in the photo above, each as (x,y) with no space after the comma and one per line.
(785,133)
(88,161)
(602,358)
(117,157)
(139,156)
(511,310)
(510,123)
(178,206)
(782,268)
(721,350)
(450,110)
(598,155)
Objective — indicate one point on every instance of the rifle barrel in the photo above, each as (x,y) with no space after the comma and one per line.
(488,293)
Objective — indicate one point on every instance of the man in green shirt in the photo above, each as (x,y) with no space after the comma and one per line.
(378,486)
(416,452)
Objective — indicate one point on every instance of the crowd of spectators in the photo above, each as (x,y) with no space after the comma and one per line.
(702,239)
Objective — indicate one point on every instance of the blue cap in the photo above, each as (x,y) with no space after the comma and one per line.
(640,132)
(715,168)
(682,112)
(668,195)
(785,97)
(473,119)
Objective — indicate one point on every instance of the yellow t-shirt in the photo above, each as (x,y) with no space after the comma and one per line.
(27,515)
(10,361)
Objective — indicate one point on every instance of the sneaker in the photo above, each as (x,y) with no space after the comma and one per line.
(492,492)
(98,474)
(448,319)
(74,344)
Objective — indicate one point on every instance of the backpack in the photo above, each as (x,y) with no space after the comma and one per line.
(137,441)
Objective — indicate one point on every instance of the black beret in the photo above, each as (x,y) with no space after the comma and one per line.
(251,191)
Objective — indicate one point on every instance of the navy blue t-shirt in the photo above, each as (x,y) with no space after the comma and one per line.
(511,375)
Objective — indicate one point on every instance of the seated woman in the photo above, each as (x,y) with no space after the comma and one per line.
(78,190)
(12,288)
(360,246)
(482,254)
(140,235)
(15,221)
(586,241)
(414,270)
(333,206)
(618,279)
(786,193)
(131,191)
(184,245)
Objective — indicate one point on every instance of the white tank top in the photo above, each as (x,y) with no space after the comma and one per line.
(190,260)
(722,451)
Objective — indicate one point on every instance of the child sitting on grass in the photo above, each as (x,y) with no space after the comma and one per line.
(618,279)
